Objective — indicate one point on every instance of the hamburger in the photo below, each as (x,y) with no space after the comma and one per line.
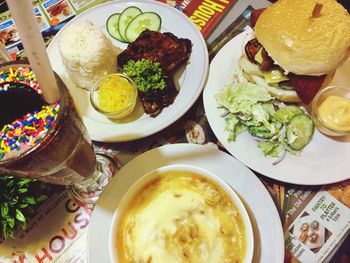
(296,47)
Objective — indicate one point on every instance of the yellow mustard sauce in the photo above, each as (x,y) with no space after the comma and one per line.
(334,112)
(116,94)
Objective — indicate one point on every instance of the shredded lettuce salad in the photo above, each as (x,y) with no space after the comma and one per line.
(249,107)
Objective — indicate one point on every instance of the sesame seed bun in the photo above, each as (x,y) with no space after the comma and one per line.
(302,43)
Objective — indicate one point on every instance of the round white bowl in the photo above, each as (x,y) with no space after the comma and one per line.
(140,183)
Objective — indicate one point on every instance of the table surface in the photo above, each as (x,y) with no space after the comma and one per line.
(60,212)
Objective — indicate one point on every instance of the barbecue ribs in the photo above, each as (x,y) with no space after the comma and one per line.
(167,49)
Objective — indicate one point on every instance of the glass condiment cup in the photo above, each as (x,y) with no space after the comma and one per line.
(341,109)
(130,91)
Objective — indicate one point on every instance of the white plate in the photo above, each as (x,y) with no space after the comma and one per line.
(190,83)
(320,162)
(267,228)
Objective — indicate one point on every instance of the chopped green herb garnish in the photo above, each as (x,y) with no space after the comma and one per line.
(146,74)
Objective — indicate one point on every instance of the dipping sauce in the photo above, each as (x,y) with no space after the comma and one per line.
(181,217)
(114,95)
(334,112)
(331,110)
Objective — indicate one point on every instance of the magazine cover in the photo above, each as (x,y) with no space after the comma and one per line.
(205,14)
(64,232)
(316,222)
(51,15)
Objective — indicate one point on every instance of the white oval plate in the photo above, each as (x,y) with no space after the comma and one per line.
(320,162)
(190,83)
(267,228)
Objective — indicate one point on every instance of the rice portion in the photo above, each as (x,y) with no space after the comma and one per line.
(87,53)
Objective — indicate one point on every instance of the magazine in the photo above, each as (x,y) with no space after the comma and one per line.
(205,14)
(52,15)
(231,31)
(316,222)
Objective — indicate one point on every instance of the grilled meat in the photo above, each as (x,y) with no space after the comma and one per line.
(167,49)
(251,49)
(154,101)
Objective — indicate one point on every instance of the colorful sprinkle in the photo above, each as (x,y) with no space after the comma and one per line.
(26,132)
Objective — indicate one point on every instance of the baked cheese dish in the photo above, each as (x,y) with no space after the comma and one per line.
(181,217)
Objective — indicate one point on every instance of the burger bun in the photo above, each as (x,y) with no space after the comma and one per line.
(302,42)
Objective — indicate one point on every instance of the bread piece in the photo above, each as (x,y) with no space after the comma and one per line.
(303,44)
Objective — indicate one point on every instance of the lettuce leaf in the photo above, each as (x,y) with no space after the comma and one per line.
(234,126)
(242,96)
(273,149)
(251,109)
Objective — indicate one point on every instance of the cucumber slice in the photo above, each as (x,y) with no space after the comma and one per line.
(260,131)
(125,18)
(147,20)
(112,25)
(285,114)
(299,131)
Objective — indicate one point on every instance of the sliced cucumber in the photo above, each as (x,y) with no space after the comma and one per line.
(112,27)
(125,18)
(285,114)
(299,131)
(147,20)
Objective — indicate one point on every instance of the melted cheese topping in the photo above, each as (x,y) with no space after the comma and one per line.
(181,217)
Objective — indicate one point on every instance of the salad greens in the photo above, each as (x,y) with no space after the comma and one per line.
(251,108)
(146,74)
